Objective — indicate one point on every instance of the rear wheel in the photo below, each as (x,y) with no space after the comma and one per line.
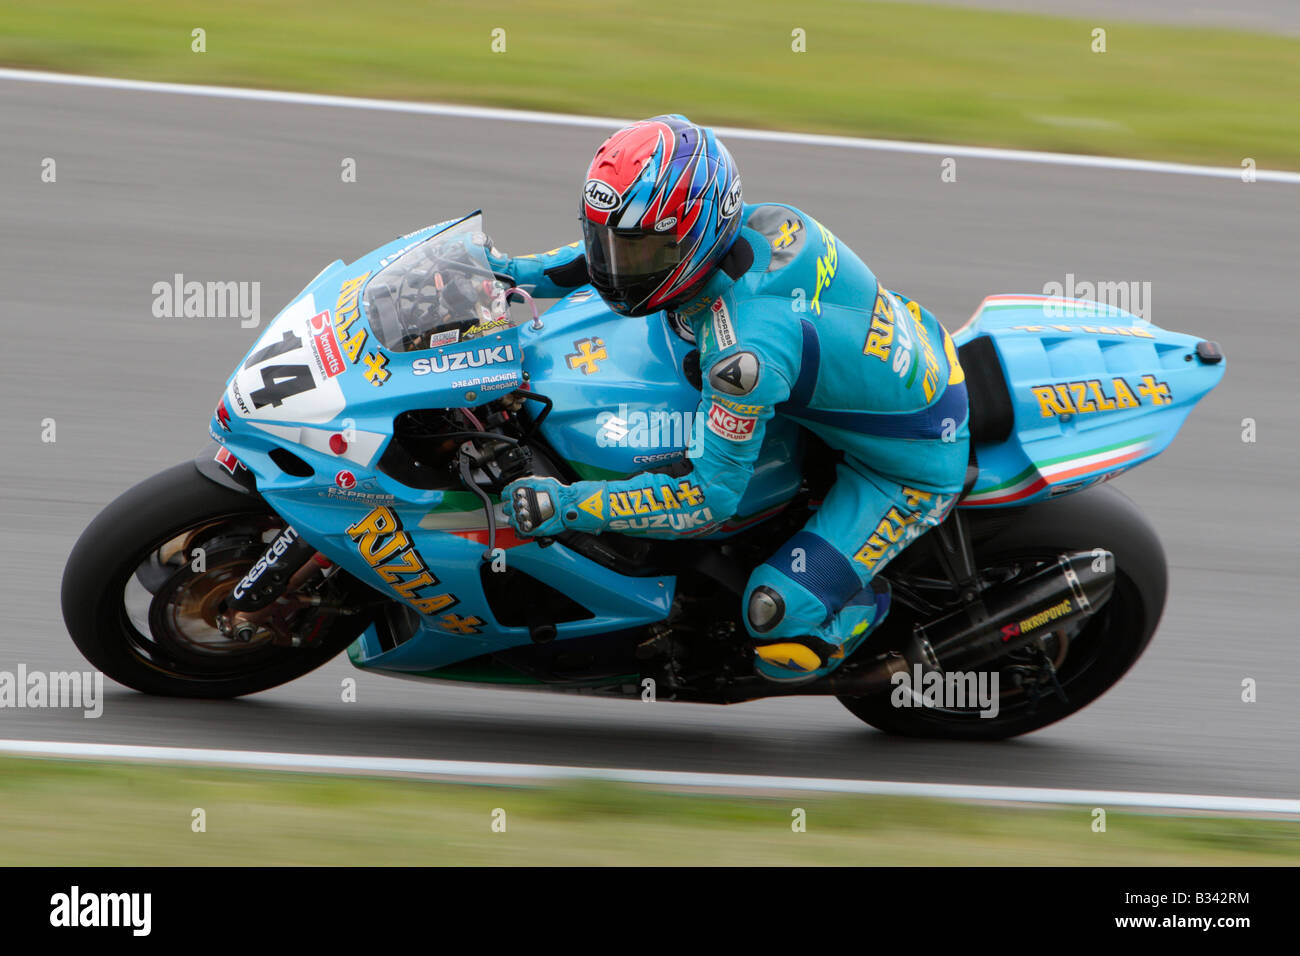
(144,591)
(1088,657)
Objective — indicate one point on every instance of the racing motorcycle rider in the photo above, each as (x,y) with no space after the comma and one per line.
(787,321)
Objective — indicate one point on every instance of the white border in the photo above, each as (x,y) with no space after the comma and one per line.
(463,770)
(610,123)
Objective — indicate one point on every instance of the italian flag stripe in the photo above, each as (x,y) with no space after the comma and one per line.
(1090,463)
(1073,307)
(1057,470)
(1033,486)
(1012,301)
(1130,443)
(1010,482)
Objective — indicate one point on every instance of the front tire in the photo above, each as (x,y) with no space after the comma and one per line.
(1095,657)
(140,605)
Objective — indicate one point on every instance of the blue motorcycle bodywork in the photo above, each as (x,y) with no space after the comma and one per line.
(310,414)
(1095,391)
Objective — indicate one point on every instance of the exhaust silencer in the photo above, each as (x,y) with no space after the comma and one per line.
(1009,616)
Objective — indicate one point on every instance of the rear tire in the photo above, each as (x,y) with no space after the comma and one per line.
(119,550)
(1115,636)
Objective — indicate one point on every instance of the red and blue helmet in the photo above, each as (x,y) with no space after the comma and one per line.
(659,210)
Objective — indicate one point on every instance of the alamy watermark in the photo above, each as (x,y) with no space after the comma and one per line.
(53,689)
(179,299)
(77,909)
(951,690)
(666,433)
(1130,296)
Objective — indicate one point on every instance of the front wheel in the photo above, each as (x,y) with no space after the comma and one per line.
(1088,657)
(145,587)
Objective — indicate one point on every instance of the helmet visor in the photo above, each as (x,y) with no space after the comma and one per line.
(629,266)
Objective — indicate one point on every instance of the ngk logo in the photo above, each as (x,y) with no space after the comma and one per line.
(729,425)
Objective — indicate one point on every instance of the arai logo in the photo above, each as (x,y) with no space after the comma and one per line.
(663,225)
(600,195)
(731,202)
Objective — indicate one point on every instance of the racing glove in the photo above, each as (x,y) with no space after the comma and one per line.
(536,506)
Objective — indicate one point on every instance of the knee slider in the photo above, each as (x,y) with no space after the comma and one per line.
(766,609)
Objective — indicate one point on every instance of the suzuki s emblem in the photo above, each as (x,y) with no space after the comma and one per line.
(600,195)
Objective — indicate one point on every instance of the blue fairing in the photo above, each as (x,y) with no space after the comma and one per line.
(1094,390)
(310,414)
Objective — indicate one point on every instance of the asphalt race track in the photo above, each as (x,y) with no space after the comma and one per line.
(149,185)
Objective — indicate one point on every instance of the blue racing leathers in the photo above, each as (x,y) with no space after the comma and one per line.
(793,324)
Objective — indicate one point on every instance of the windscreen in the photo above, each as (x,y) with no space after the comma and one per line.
(439,292)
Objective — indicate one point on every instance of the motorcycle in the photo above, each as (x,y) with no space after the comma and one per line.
(350,499)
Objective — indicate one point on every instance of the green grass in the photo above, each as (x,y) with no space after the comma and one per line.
(73,813)
(872,69)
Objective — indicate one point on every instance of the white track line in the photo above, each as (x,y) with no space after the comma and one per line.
(610,123)
(516,772)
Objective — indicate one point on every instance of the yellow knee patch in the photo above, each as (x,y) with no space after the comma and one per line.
(956,375)
(792,656)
